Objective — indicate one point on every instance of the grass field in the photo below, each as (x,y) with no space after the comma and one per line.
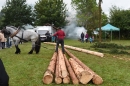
(27,70)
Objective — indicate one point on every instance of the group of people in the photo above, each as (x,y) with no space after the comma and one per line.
(86,37)
(5,42)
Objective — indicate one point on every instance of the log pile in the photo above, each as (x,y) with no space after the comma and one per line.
(80,49)
(61,70)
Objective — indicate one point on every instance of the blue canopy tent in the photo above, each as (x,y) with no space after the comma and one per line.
(111,28)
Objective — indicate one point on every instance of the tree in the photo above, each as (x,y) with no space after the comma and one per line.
(100,11)
(120,18)
(89,14)
(17,13)
(50,11)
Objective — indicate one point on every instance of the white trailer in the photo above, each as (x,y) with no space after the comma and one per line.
(41,30)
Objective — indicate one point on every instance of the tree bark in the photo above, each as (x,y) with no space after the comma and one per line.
(62,65)
(71,72)
(83,76)
(80,49)
(96,78)
(85,51)
(48,76)
(52,63)
(58,78)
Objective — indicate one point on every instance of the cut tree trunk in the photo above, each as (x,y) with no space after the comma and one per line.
(85,51)
(83,76)
(66,80)
(62,65)
(96,78)
(80,49)
(58,79)
(71,72)
(52,63)
(48,76)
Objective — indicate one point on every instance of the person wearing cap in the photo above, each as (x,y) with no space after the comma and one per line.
(60,34)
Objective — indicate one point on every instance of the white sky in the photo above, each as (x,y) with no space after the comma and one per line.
(106,5)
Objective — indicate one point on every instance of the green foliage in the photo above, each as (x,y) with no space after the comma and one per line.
(50,11)
(111,48)
(88,14)
(120,18)
(17,13)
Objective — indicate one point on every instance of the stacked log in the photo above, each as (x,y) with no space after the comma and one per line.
(80,49)
(58,78)
(62,70)
(62,66)
(96,78)
(71,72)
(83,75)
(48,76)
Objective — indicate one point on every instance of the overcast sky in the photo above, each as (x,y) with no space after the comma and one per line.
(106,5)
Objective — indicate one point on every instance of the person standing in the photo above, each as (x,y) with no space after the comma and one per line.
(82,37)
(86,37)
(60,34)
(47,34)
(2,40)
(90,39)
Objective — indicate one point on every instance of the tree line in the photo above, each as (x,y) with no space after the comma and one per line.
(18,12)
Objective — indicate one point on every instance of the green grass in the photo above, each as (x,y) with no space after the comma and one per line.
(27,70)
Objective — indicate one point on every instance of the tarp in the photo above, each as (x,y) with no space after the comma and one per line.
(109,27)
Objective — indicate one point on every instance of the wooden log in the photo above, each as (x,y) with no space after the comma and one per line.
(62,65)
(66,80)
(58,79)
(52,63)
(96,78)
(71,72)
(85,51)
(48,77)
(80,49)
(83,76)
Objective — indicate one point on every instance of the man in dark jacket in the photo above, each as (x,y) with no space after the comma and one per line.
(4,78)
(60,39)
(47,34)
(82,37)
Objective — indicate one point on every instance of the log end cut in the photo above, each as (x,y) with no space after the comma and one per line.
(48,79)
(66,80)
(97,80)
(85,77)
(75,81)
(58,80)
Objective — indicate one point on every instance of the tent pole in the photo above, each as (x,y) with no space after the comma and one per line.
(119,34)
(111,35)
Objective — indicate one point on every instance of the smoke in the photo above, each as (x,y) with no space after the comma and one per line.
(71,30)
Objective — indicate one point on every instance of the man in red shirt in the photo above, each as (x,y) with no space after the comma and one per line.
(60,39)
